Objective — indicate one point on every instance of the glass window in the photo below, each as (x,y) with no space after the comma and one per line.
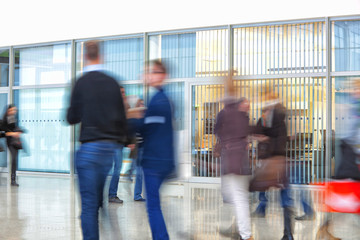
(3,146)
(198,54)
(346,46)
(122,58)
(280,49)
(305,101)
(43,65)
(345,115)
(175,92)
(4,68)
(42,113)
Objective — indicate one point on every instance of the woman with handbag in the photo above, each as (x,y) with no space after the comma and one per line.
(13,141)
(232,129)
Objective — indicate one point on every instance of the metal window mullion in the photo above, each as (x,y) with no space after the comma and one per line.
(308,130)
(295,125)
(254,56)
(313,126)
(304,129)
(329,138)
(317,126)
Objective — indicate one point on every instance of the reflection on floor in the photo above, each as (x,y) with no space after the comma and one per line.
(48,208)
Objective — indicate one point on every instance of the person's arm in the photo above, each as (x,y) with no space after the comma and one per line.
(74,113)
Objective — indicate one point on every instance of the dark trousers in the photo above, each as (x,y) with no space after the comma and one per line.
(93,162)
(153,181)
(14,160)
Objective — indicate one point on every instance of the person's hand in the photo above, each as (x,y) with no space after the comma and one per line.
(135,113)
(260,138)
(131,146)
(13,134)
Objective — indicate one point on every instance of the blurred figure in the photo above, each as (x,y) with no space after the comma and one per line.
(139,173)
(232,129)
(114,183)
(272,129)
(97,104)
(13,141)
(343,194)
(158,147)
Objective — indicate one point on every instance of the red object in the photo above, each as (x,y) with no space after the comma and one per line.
(342,196)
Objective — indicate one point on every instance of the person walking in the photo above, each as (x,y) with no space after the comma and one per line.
(13,141)
(158,148)
(273,135)
(97,104)
(232,130)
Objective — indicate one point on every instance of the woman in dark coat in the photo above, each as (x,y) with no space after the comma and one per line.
(232,129)
(9,125)
(273,129)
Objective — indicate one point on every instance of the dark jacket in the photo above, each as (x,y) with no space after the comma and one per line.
(232,129)
(11,126)
(157,131)
(276,132)
(97,103)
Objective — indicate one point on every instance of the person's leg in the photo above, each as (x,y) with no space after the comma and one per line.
(87,168)
(93,161)
(114,183)
(308,210)
(139,177)
(261,208)
(240,196)
(287,204)
(157,223)
(138,184)
(14,159)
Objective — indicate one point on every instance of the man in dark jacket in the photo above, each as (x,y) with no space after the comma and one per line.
(158,146)
(97,104)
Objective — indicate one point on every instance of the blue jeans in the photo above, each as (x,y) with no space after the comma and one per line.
(114,183)
(286,200)
(93,162)
(139,176)
(308,210)
(153,181)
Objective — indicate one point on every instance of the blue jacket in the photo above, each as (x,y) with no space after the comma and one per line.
(157,132)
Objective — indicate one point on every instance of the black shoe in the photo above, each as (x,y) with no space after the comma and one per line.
(14,184)
(115,200)
(287,237)
(305,217)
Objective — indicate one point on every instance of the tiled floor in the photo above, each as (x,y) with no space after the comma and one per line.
(46,207)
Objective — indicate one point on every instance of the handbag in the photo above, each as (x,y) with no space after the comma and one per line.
(271,173)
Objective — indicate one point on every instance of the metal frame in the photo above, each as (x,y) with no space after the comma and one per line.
(190,82)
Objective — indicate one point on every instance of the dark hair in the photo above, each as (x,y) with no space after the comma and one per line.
(92,50)
(159,64)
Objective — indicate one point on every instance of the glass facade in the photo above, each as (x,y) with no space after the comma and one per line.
(41,90)
(307,64)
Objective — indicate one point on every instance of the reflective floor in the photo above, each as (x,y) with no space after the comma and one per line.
(47,207)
